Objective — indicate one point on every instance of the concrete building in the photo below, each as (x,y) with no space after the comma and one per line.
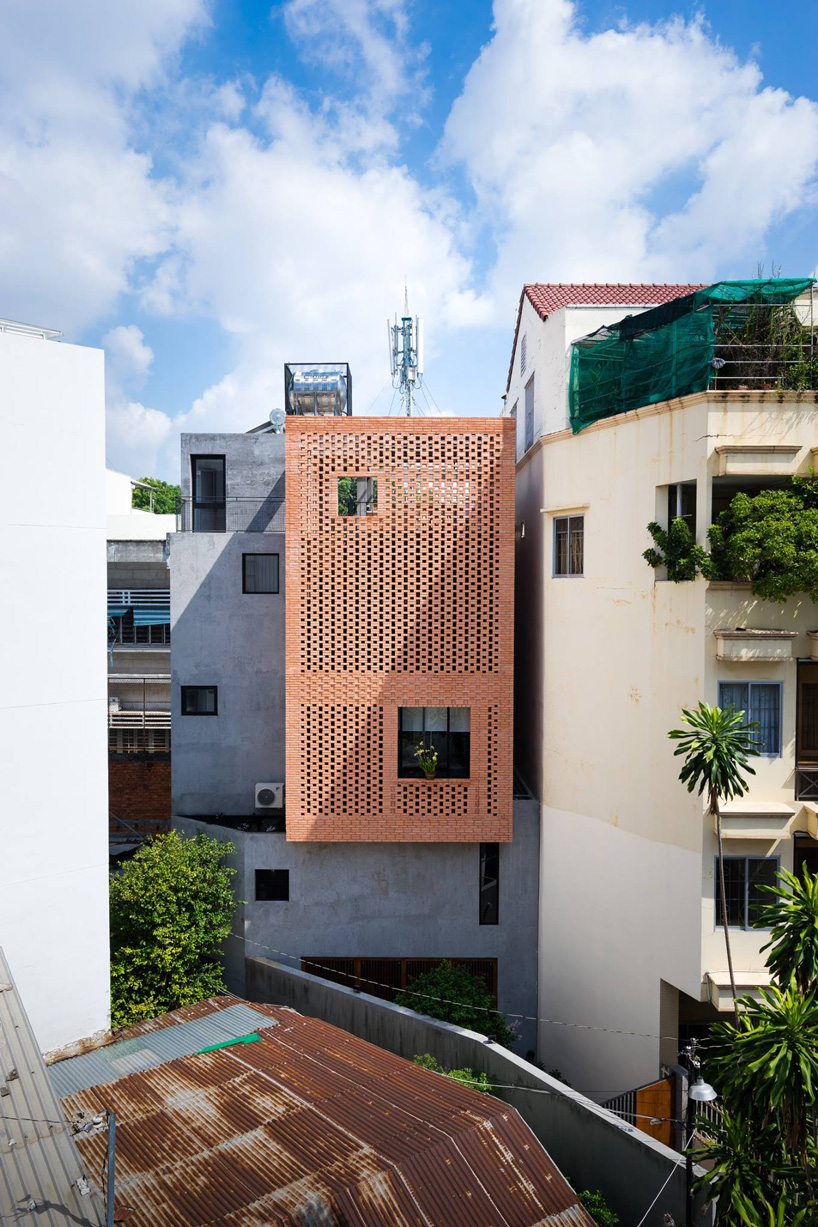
(398,627)
(608,653)
(138,665)
(53,782)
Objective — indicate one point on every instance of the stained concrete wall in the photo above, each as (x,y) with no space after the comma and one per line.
(389,900)
(226,638)
(591,1146)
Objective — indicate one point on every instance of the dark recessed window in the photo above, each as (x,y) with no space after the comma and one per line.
(489,884)
(743,875)
(357,496)
(569,545)
(209,505)
(259,573)
(272,885)
(200,700)
(446,729)
(681,504)
(529,414)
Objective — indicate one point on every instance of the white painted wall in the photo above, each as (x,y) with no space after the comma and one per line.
(53,741)
(127,523)
(627,855)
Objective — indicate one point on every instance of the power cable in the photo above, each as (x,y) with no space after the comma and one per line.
(676,1165)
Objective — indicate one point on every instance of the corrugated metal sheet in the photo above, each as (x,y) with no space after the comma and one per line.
(39,1162)
(314,1127)
(154,1048)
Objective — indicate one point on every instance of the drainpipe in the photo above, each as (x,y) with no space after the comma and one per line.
(109,1208)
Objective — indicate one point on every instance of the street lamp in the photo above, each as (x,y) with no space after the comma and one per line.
(698,1091)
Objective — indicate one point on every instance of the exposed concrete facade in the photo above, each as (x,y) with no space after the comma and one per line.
(53,781)
(605,663)
(364,899)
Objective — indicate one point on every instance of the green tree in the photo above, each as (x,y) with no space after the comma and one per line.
(454,995)
(762,1152)
(165,496)
(171,907)
(468,1076)
(676,549)
(716,747)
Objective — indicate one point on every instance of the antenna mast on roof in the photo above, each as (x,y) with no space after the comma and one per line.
(406,354)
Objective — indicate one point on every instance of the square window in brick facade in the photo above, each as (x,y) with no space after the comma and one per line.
(259,573)
(357,496)
(272,885)
(446,729)
(200,701)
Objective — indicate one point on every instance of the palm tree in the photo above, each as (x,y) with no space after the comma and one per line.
(717,746)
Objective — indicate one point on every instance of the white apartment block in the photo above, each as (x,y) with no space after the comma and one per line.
(608,653)
(53,780)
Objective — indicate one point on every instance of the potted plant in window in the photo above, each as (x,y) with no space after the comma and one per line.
(427,760)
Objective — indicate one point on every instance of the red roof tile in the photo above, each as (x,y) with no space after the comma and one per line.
(549,296)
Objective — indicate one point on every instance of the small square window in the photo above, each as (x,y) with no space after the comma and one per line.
(569,545)
(357,496)
(272,885)
(259,573)
(447,730)
(743,875)
(761,704)
(200,701)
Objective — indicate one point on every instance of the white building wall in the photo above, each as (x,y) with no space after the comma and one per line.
(125,522)
(53,779)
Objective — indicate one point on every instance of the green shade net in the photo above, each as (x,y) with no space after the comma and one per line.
(665,352)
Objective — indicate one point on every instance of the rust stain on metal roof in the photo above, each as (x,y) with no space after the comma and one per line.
(315,1127)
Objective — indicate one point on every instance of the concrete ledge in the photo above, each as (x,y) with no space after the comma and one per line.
(593,1147)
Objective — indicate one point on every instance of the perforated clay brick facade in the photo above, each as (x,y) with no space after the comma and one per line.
(408,606)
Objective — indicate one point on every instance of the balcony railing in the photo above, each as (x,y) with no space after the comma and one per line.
(138,703)
(138,616)
(235,514)
(806,783)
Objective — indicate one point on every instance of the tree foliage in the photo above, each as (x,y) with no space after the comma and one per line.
(469,1077)
(166,497)
(764,1148)
(676,550)
(454,995)
(171,907)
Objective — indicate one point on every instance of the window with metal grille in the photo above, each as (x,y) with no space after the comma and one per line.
(743,875)
(259,573)
(272,885)
(523,353)
(200,701)
(529,413)
(489,884)
(569,545)
(761,704)
(445,729)
(357,496)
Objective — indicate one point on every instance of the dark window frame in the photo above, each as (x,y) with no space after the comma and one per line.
(272,894)
(746,922)
(261,591)
(187,689)
(443,743)
(748,711)
(490,884)
(211,505)
(569,521)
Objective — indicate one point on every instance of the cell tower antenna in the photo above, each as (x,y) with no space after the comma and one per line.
(406,354)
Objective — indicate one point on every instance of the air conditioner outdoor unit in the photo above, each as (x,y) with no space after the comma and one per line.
(269,796)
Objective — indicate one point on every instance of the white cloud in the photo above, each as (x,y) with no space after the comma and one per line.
(135,433)
(568,138)
(127,358)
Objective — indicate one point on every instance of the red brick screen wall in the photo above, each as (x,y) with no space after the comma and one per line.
(409,606)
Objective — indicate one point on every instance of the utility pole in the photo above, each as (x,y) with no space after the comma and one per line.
(406,354)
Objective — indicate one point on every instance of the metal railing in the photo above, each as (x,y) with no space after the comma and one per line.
(766,345)
(806,783)
(138,701)
(235,514)
(130,628)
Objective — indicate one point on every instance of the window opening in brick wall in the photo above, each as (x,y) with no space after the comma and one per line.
(259,573)
(357,496)
(447,729)
(743,875)
(489,884)
(272,885)
(569,545)
(200,701)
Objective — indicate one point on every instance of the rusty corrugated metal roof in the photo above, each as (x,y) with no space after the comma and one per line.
(314,1126)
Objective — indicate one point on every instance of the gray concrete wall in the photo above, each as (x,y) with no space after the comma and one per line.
(391,900)
(592,1147)
(226,638)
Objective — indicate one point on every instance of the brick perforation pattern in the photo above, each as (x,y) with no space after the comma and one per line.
(409,605)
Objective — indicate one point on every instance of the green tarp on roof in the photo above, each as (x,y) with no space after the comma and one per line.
(665,352)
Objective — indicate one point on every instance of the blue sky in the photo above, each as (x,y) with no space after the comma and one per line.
(209,189)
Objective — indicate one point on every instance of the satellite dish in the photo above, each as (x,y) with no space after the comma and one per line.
(277,419)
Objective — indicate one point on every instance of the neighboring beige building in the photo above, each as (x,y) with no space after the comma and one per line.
(608,653)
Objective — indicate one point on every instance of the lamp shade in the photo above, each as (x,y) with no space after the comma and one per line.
(701,1091)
